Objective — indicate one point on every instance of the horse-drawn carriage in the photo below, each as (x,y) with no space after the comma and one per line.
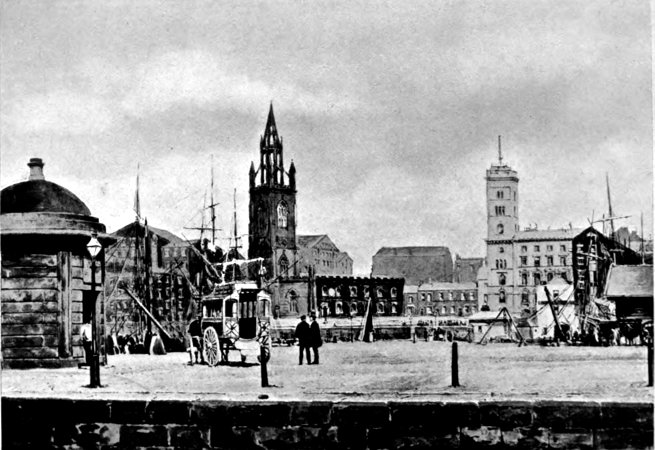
(236,317)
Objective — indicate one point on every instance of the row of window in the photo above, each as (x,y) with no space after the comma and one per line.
(427,297)
(549,248)
(536,278)
(501,195)
(501,264)
(465,310)
(537,261)
(338,292)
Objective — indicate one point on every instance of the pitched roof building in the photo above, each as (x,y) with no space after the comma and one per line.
(320,252)
(415,264)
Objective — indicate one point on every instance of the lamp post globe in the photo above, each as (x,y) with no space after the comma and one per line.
(94,247)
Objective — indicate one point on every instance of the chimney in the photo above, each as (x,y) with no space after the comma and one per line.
(36,169)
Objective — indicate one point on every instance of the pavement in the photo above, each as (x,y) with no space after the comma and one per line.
(386,370)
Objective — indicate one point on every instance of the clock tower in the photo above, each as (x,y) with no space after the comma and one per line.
(272,225)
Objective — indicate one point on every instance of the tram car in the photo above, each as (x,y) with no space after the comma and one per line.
(236,317)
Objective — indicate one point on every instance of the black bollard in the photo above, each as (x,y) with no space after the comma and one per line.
(454,367)
(262,360)
(650,364)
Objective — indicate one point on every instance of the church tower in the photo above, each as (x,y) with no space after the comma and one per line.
(502,225)
(272,227)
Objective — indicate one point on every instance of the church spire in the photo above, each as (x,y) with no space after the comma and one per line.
(271,162)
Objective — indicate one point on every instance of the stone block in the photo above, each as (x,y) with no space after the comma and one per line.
(581,439)
(488,436)
(506,415)
(167,412)
(412,414)
(90,411)
(187,436)
(310,413)
(128,411)
(624,439)
(566,415)
(93,435)
(360,414)
(526,438)
(143,435)
(259,414)
(626,415)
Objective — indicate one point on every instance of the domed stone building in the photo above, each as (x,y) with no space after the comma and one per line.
(46,281)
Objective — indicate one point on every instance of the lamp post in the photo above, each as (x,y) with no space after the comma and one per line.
(94,247)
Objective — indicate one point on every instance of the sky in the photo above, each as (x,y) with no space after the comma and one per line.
(389,110)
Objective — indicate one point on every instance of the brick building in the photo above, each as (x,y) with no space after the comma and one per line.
(415,264)
(345,296)
(320,252)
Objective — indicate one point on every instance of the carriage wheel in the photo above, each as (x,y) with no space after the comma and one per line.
(211,347)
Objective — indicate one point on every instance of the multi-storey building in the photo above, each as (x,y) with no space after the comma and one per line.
(320,252)
(442,299)
(146,265)
(518,261)
(350,296)
(415,264)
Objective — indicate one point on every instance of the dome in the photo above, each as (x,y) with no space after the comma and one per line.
(40,196)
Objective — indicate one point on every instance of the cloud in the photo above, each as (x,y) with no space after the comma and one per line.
(60,112)
(199,78)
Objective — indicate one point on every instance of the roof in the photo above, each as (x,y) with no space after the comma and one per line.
(546,235)
(630,282)
(165,236)
(413,251)
(447,287)
(40,196)
(309,240)
(410,289)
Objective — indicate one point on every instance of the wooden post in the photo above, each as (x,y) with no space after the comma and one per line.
(262,358)
(454,367)
(650,363)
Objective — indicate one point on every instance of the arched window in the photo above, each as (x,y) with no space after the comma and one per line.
(394,292)
(501,296)
(500,229)
(443,310)
(537,278)
(282,213)
(410,300)
(502,279)
(429,297)
(524,278)
(284,266)
(293,302)
(525,297)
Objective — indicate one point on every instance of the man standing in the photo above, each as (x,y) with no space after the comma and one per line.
(315,339)
(302,334)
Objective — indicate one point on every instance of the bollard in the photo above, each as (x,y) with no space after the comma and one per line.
(262,361)
(454,367)
(650,364)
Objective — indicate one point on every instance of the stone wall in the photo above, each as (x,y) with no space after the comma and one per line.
(42,304)
(30,423)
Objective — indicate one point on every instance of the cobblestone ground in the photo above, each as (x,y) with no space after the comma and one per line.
(381,370)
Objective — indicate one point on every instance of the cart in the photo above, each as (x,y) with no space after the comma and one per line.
(236,317)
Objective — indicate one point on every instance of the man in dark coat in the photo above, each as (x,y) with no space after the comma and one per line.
(315,340)
(302,334)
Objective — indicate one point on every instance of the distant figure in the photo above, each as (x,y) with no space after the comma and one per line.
(85,334)
(315,340)
(302,334)
(195,341)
